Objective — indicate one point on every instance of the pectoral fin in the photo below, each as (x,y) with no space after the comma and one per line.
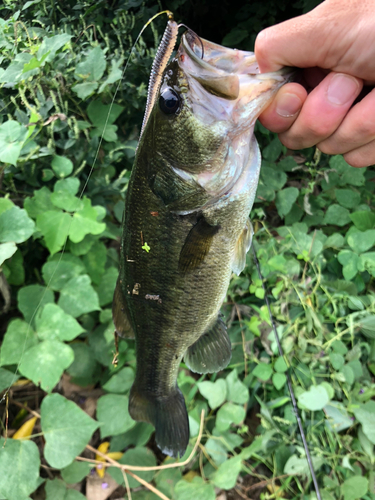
(211,352)
(120,314)
(197,245)
(242,247)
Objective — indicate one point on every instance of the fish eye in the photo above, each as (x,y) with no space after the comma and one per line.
(169,101)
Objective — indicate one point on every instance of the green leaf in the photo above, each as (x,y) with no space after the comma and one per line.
(226,475)
(12,136)
(92,68)
(166,481)
(85,222)
(214,392)
(15,272)
(278,380)
(363,220)
(299,466)
(216,450)
(39,203)
(197,488)
(54,324)
(315,398)
(15,225)
(280,366)
(56,490)
(107,286)
(338,418)
(336,240)
(234,37)
(54,226)
(84,90)
(113,414)
(121,381)
(348,198)
(78,297)
(273,178)
(60,269)
(354,487)
(6,251)
(273,150)
(348,174)
(101,114)
(136,456)
(366,415)
(19,465)
(62,166)
(68,186)
(367,325)
(337,215)
(18,338)
(31,297)
(237,390)
(85,369)
(349,260)
(114,76)
(337,361)
(285,199)
(361,241)
(75,472)
(51,45)
(263,371)
(139,435)
(67,430)
(7,378)
(229,413)
(5,204)
(46,362)
(95,261)
(367,263)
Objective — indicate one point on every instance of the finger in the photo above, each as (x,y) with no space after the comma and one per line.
(284,109)
(301,41)
(323,111)
(362,157)
(356,130)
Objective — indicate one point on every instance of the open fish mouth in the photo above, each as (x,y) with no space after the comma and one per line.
(229,73)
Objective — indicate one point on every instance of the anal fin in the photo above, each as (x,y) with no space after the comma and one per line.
(242,247)
(120,314)
(211,352)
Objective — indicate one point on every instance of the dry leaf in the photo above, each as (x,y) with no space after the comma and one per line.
(26,429)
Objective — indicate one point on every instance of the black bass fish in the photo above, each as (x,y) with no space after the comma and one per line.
(186,225)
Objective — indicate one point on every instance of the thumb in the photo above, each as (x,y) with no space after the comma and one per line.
(299,42)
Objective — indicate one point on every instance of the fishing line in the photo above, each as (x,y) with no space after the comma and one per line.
(289,380)
(170,16)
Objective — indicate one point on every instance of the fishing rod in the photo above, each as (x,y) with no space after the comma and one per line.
(288,378)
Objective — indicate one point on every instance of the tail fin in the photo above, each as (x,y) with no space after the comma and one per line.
(167,414)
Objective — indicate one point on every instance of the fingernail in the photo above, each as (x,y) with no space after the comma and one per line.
(342,89)
(288,105)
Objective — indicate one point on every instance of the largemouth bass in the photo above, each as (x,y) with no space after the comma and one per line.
(186,225)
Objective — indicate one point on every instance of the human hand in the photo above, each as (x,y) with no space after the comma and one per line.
(336,44)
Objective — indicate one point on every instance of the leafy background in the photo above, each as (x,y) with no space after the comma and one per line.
(60,213)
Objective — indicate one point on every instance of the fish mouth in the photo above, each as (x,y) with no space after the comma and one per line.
(227,73)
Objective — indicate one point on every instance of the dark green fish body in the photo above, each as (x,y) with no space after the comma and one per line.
(186,227)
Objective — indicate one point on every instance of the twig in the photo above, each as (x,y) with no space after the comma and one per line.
(157,467)
(264,483)
(24,407)
(127,485)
